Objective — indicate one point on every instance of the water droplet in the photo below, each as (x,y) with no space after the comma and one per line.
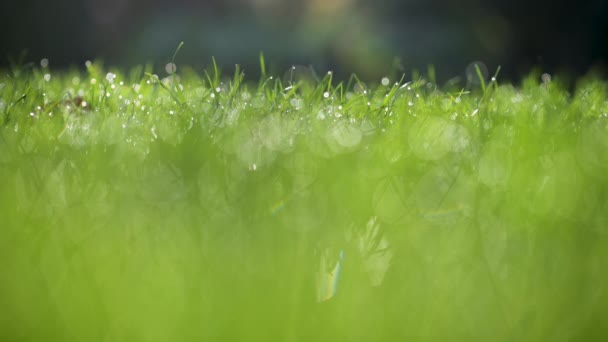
(299,74)
(44,63)
(170,68)
(297,104)
(47,77)
(410,103)
(93,81)
(385,81)
(546,78)
(171,112)
(326,94)
(218,89)
(88,64)
(471,73)
(110,77)
(84,104)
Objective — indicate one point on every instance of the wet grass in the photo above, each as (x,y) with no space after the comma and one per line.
(197,207)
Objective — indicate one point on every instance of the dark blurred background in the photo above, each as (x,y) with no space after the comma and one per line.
(369,37)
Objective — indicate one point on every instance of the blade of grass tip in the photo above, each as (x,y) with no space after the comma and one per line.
(351,79)
(216,72)
(179,47)
(430,70)
(398,88)
(262,65)
(236,82)
(495,77)
(340,87)
(262,70)
(361,85)
(415,75)
(176,88)
(209,80)
(329,81)
(481,79)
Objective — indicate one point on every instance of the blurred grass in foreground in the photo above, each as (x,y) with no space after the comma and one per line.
(135,208)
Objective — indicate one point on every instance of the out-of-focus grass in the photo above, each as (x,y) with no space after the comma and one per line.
(193,207)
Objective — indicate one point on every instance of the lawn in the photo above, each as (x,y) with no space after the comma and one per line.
(195,205)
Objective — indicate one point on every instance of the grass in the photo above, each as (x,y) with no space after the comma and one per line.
(197,207)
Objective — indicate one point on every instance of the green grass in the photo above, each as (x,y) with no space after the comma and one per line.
(198,207)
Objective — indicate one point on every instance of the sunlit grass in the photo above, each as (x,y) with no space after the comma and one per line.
(191,206)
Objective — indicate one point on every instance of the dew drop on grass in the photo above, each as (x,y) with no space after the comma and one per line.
(472,73)
(44,63)
(326,94)
(47,77)
(385,81)
(360,88)
(546,78)
(110,77)
(170,68)
(299,74)
(88,64)
(297,104)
